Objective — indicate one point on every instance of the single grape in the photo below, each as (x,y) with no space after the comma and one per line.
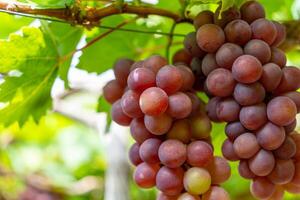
(251,11)
(283,172)
(290,127)
(246,145)
(247,69)
(290,80)
(258,49)
(296,178)
(262,188)
(187,196)
(130,104)
(187,77)
(139,131)
(227,54)
(158,125)
(283,116)
(270,136)
(180,131)
(287,150)
(233,130)
(228,110)
(265,30)
(278,57)
(249,94)
(253,117)
(210,37)
(262,163)
(228,151)
(180,105)
(112,91)
(215,193)
(238,32)
(222,18)
(149,150)
(154,101)
(145,175)
(245,171)
(155,62)
(141,79)
(169,79)
(219,170)
(200,126)
(121,70)
(162,196)
(211,109)
(170,181)
(271,77)
(204,17)
(209,64)
(172,153)
(281,34)
(182,56)
(291,188)
(296,140)
(199,154)
(295,96)
(196,181)
(190,44)
(197,104)
(220,82)
(278,194)
(118,115)
(137,64)
(134,155)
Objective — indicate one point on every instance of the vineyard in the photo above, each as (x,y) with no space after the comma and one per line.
(119,100)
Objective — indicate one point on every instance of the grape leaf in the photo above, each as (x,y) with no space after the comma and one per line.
(10,24)
(50,3)
(66,38)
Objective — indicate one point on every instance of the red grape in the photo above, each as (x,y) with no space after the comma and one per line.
(187,196)
(228,151)
(287,150)
(253,117)
(246,145)
(249,94)
(262,163)
(149,150)
(238,32)
(187,77)
(278,57)
(130,104)
(271,76)
(209,64)
(158,125)
(154,101)
(199,154)
(112,91)
(262,188)
(283,172)
(290,127)
(258,49)
(190,44)
(182,56)
(219,170)
(270,137)
(211,108)
(234,129)
(122,70)
(251,11)
(145,174)
(162,196)
(281,34)
(290,80)
(118,115)
(228,110)
(204,17)
(245,171)
(216,193)
(137,64)
(169,79)
(264,30)
(296,178)
(227,54)
(141,79)
(134,155)
(200,126)
(155,62)
(295,96)
(291,188)
(222,18)
(180,131)
(138,130)
(180,105)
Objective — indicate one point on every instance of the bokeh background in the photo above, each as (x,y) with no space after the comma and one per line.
(72,153)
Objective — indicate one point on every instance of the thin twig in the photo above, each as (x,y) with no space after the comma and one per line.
(170,40)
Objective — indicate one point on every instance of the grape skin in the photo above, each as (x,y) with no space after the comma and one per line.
(270,137)
(137,64)
(197,181)
(211,109)
(262,163)
(238,32)
(223,18)
(296,139)
(291,127)
(219,170)
(228,110)
(283,116)
(228,151)
(182,56)
(251,11)
(172,153)
(139,131)
(271,77)
(121,70)
(190,44)
(246,145)
(187,196)
(204,17)
(163,196)
(180,131)
(216,193)
(233,130)
(112,91)
(187,76)
(227,54)
(258,49)
(290,80)
(180,105)
(245,171)
(155,62)
(158,125)
(169,79)
(209,64)
(118,115)
(281,34)
(264,30)
(296,178)
(278,57)
(295,96)
(249,94)
(247,69)
(253,117)
(283,172)
(154,101)
(145,175)
(199,154)
(220,82)
(134,155)
(149,150)
(262,188)
(210,37)
(200,126)
(141,79)
(287,150)
(170,181)
(291,188)
(130,104)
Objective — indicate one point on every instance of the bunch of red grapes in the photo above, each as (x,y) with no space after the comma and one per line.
(253,91)
(167,120)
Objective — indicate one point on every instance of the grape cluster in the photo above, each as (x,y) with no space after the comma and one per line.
(168,122)
(253,91)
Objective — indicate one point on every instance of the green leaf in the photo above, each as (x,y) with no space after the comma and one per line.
(50,3)
(66,38)
(10,24)
(27,93)
(104,106)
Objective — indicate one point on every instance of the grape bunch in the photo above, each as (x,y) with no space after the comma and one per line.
(237,63)
(168,122)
